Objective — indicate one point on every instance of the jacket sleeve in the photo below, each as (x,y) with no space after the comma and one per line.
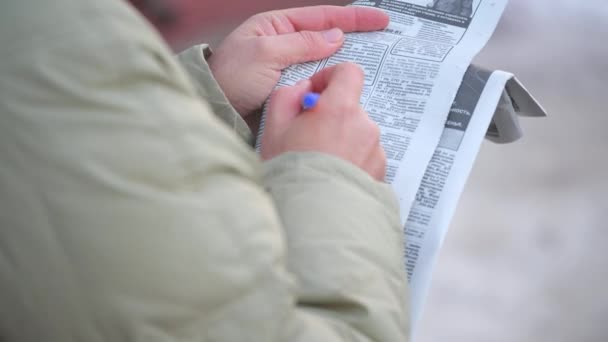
(344,247)
(193,60)
(306,189)
(131,213)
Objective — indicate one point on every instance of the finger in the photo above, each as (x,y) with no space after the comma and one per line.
(348,19)
(339,84)
(379,168)
(285,105)
(303,46)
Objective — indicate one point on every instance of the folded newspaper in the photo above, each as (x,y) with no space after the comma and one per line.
(434,109)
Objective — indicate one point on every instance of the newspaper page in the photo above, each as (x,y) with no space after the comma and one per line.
(413,70)
(487,103)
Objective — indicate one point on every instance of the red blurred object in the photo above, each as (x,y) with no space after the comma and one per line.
(185,22)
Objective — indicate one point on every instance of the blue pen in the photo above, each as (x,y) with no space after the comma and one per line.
(309,101)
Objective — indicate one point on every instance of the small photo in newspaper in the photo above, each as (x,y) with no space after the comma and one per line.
(463,8)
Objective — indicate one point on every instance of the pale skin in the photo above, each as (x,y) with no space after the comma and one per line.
(337,125)
(265,44)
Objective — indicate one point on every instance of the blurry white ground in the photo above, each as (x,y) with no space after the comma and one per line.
(526,258)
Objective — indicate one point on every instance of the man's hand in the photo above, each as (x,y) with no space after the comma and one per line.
(248,63)
(337,125)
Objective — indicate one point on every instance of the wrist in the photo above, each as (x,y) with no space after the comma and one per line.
(217,66)
(208,88)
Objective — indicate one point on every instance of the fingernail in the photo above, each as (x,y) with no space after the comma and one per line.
(333,36)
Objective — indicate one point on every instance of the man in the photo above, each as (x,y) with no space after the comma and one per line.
(134,209)
(457,7)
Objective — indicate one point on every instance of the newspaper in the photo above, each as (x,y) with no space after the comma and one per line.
(433,109)
(487,104)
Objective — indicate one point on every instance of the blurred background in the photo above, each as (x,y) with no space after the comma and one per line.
(526,258)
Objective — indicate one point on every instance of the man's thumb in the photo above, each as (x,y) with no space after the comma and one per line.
(286,104)
(305,46)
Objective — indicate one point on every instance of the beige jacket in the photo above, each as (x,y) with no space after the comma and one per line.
(129,212)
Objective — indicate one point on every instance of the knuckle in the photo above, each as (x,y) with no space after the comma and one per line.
(263,46)
(382,158)
(373,131)
(382,154)
(310,41)
(382,164)
(257,17)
